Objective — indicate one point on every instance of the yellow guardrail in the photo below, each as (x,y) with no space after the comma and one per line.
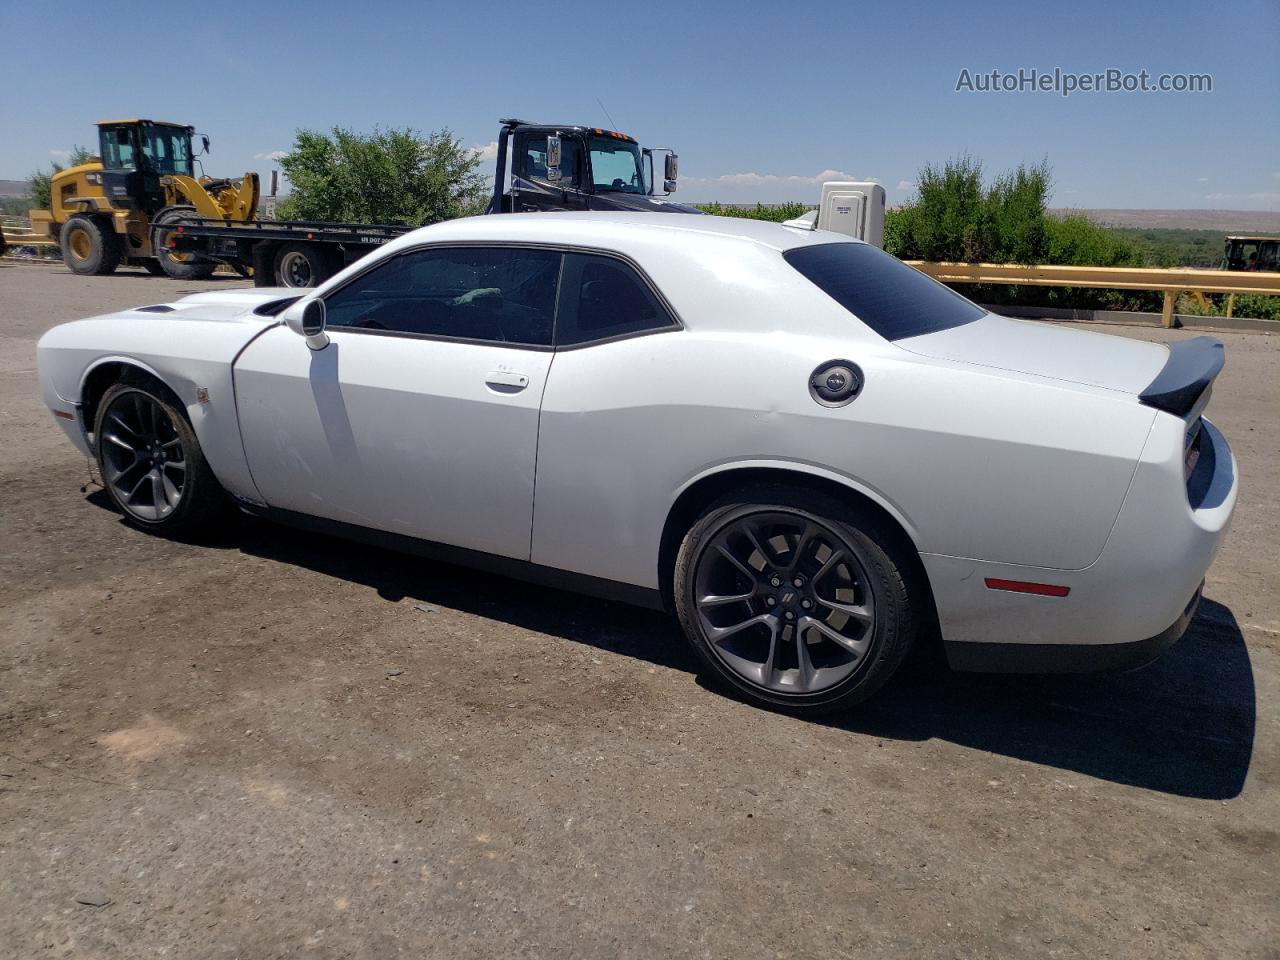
(1170,282)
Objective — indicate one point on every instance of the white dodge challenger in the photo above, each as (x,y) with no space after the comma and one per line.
(814,454)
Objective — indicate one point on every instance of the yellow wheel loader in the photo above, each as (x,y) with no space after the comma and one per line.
(104,213)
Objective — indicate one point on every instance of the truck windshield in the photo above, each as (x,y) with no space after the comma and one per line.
(167,149)
(617,167)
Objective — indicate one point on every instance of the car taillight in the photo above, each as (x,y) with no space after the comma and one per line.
(1191,449)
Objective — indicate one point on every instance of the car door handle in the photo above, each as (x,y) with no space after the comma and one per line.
(505,381)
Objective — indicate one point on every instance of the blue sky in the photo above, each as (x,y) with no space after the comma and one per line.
(762,100)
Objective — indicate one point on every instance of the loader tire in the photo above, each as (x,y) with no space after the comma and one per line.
(89,246)
(180,266)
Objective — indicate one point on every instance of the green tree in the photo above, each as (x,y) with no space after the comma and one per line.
(388,176)
(41,192)
(957,217)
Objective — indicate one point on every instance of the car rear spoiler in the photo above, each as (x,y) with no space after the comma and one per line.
(1191,368)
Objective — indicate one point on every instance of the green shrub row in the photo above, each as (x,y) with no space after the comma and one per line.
(960,216)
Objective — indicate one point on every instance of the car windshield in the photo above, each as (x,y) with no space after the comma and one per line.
(616,166)
(167,149)
(893,299)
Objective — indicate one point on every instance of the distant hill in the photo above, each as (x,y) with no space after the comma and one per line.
(15,188)
(1226,221)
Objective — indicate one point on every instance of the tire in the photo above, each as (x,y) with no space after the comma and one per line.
(796,653)
(153,267)
(185,266)
(300,265)
(140,432)
(89,247)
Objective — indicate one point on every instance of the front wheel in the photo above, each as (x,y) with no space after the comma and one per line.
(797,602)
(89,245)
(152,464)
(179,266)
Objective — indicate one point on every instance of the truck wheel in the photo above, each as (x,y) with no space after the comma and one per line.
(301,265)
(180,266)
(88,247)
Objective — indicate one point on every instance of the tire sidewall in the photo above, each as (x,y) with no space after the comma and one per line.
(181,517)
(319,264)
(892,634)
(195,268)
(92,263)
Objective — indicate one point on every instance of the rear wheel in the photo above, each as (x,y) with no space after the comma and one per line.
(301,265)
(152,464)
(795,601)
(180,266)
(89,247)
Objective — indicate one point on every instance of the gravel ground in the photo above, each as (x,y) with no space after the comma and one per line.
(281,745)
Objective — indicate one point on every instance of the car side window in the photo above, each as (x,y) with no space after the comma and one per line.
(603,298)
(495,294)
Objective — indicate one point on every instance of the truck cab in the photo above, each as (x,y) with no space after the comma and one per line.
(546,167)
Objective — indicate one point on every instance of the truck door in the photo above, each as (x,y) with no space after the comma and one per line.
(531,190)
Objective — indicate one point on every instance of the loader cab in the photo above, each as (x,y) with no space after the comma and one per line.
(1252,253)
(136,154)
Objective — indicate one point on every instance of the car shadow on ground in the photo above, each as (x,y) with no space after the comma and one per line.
(1183,725)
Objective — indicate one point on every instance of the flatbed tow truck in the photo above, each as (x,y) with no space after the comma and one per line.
(539,167)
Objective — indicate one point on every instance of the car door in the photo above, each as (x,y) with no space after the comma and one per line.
(420,417)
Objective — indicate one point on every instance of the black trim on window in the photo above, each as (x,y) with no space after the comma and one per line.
(677,324)
(578,267)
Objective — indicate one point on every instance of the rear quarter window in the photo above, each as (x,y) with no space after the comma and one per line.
(893,299)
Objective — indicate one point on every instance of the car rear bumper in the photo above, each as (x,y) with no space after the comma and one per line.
(1070,657)
(1120,611)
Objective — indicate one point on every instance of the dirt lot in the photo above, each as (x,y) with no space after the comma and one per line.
(211,751)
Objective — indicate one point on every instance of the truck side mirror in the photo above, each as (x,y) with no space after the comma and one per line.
(670,169)
(306,319)
(204,138)
(553,157)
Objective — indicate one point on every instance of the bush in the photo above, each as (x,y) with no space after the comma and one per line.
(957,218)
(776,213)
(388,176)
(41,190)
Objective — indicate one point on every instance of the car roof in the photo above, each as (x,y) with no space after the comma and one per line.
(598,228)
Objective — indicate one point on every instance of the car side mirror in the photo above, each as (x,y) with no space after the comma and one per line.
(553,157)
(306,319)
